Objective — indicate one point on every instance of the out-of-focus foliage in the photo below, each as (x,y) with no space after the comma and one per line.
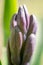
(0,63)
(4,59)
(10,8)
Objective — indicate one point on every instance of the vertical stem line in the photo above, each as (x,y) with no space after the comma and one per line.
(10,8)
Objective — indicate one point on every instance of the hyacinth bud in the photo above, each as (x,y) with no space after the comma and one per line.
(22,39)
(27,63)
(33,25)
(29,48)
(13,21)
(9,54)
(21,20)
(16,41)
(27,16)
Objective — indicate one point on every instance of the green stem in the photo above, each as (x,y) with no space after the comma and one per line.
(11,7)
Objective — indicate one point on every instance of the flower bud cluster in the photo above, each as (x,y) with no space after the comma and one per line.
(23,36)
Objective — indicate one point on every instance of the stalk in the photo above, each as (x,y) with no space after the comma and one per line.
(10,8)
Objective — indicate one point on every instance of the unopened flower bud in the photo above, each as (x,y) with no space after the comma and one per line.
(21,20)
(33,24)
(29,48)
(27,16)
(16,41)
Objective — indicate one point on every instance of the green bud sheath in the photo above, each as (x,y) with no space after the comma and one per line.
(10,8)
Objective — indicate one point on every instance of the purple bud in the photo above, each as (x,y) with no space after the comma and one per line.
(33,24)
(22,40)
(27,16)
(13,21)
(16,41)
(29,48)
(21,20)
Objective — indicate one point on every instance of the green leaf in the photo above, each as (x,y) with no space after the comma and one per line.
(4,59)
(0,62)
(10,8)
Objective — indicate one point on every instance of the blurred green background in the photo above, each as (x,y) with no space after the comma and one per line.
(7,9)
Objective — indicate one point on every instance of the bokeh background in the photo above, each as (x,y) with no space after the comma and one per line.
(7,9)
